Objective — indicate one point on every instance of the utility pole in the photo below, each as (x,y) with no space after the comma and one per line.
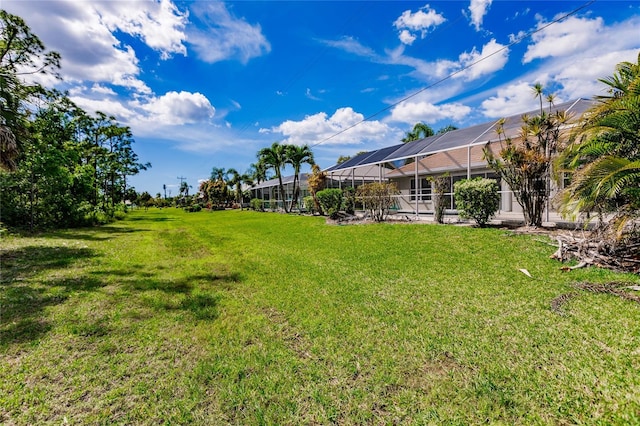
(181,179)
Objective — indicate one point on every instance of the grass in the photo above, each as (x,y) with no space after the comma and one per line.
(248,318)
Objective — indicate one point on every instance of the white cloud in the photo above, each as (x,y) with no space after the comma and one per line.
(351,45)
(478,9)
(103,90)
(406,37)
(318,127)
(175,108)
(413,112)
(421,22)
(225,36)
(492,58)
(579,78)
(564,38)
(310,95)
(159,24)
(79,32)
(513,99)
(112,107)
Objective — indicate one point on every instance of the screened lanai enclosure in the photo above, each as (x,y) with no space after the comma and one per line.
(457,155)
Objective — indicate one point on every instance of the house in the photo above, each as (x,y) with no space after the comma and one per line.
(269,191)
(458,154)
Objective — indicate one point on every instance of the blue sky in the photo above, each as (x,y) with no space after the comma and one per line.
(207,84)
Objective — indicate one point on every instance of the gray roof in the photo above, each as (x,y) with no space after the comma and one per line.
(478,134)
(285,180)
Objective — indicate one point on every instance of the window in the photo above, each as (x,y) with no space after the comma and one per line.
(425,190)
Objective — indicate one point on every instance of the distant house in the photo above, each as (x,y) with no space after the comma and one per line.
(458,153)
(269,191)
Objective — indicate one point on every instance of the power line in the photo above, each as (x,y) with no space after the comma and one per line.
(453,74)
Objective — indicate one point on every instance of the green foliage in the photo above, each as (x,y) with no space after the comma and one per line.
(377,198)
(256,204)
(419,131)
(440,188)
(316,182)
(349,200)
(524,164)
(67,168)
(477,199)
(331,201)
(603,157)
(309,204)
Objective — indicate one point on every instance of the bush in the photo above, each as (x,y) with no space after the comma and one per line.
(377,198)
(309,204)
(256,204)
(440,187)
(349,200)
(477,199)
(330,200)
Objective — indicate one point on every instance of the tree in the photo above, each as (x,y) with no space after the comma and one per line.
(257,172)
(603,156)
(316,182)
(184,189)
(219,173)
(21,53)
(525,164)
(446,129)
(440,188)
(275,157)
(343,158)
(236,181)
(297,156)
(419,131)
(377,198)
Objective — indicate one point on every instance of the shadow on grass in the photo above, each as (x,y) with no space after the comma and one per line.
(149,218)
(23,302)
(21,263)
(22,305)
(102,233)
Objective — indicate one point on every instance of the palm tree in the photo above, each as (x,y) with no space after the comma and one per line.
(447,128)
(297,156)
(419,131)
(8,148)
(236,181)
(604,154)
(537,92)
(184,188)
(258,172)
(275,157)
(219,173)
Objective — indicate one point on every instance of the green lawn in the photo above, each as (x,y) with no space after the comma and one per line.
(249,318)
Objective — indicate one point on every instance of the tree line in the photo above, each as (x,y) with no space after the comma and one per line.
(59,165)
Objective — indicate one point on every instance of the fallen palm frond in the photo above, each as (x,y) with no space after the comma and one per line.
(601,248)
(615,288)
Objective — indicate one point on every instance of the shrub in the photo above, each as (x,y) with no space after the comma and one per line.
(349,200)
(330,200)
(477,199)
(440,187)
(309,204)
(377,198)
(256,204)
